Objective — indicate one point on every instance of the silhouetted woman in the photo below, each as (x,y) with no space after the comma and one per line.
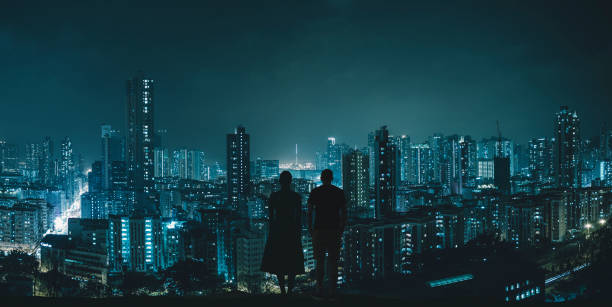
(283,254)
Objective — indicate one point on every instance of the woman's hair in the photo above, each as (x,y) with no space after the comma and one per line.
(285,178)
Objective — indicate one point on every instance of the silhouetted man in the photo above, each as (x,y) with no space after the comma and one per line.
(329,206)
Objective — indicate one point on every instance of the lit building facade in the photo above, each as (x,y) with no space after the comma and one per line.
(135,244)
(140,140)
(386,170)
(541,160)
(238,167)
(112,150)
(355,182)
(567,149)
(266,169)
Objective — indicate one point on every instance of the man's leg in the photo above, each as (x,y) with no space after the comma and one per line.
(319,255)
(290,282)
(333,253)
(281,282)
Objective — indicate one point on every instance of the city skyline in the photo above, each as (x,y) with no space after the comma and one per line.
(303,158)
(450,77)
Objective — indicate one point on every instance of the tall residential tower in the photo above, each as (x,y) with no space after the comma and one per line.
(238,167)
(567,149)
(386,172)
(140,140)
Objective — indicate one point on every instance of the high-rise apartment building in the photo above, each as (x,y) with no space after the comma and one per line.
(47,173)
(567,149)
(33,155)
(136,243)
(140,139)
(238,167)
(112,150)
(405,160)
(162,163)
(266,169)
(435,144)
(8,157)
(355,182)
(420,164)
(468,161)
(334,159)
(66,168)
(541,159)
(386,181)
(187,164)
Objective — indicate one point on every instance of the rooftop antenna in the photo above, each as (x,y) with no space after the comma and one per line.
(296,155)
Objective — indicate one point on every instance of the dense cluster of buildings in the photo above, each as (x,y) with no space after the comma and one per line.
(143,207)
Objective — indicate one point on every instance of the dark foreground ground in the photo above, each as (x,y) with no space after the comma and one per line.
(262,300)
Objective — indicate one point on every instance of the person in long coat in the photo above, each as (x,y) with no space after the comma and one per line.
(283,254)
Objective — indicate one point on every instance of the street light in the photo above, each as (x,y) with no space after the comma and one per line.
(602,222)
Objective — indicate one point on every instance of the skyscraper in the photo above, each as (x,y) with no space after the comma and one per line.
(451,166)
(435,144)
(162,163)
(177,168)
(195,164)
(541,159)
(386,163)
(468,161)
(501,174)
(372,153)
(66,168)
(355,182)
(589,161)
(95,178)
(135,243)
(492,147)
(420,168)
(140,139)
(46,173)
(112,150)
(567,149)
(320,161)
(186,164)
(8,157)
(238,167)
(33,156)
(334,159)
(118,175)
(404,147)
(266,169)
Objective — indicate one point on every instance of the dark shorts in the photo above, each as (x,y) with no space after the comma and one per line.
(326,240)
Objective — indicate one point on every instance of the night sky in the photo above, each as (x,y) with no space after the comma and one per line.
(300,71)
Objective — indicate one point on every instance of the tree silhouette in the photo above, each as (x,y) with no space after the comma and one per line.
(94,289)
(137,283)
(18,263)
(55,284)
(190,277)
(599,249)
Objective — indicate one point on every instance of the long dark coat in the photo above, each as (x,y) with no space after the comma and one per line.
(283,253)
